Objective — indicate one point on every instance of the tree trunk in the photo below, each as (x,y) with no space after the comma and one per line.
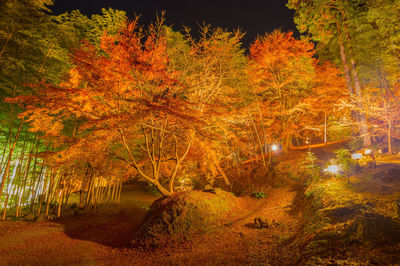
(119,191)
(89,190)
(42,196)
(50,192)
(114,188)
(60,200)
(325,129)
(7,169)
(364,131)
(25,177)
(6,42)
(36,189)
(360,117)
(346,68)
(5,149)
(389,136)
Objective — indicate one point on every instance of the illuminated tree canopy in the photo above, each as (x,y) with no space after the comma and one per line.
(94,101)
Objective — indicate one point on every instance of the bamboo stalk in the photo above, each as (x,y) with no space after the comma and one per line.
(7,169)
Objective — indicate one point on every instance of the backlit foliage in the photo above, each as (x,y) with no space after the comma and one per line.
(163,106)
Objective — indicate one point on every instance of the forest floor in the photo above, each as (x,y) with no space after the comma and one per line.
(104,238)
(297,234)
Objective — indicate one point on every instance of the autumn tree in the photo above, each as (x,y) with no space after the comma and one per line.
(281,70)
(328,90)
(119,96)
(328,23)
(383,112)
(130,101)
(213,69)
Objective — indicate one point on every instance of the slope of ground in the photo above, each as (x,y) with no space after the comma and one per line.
(330,223)
(104,238)
(356,222)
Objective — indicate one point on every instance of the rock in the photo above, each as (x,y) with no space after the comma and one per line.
(260,223)
(209,188)
(345,213)
(317,247)
(51,217)
(398,206)
(374,227)
(40,218)
(79,213)
(30,217)
(178,217)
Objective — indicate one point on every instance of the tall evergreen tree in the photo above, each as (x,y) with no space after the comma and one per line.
(327,22)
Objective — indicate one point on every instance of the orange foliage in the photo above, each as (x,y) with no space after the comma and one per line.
(294,91)
(127,103)
(135,107)
(281,71)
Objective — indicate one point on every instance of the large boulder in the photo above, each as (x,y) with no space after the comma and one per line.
(40,218)
(30,217)
(185,214)
(375,227)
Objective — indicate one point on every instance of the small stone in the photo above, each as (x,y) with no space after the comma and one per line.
(260,223)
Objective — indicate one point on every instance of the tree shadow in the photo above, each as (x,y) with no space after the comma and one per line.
(111,226)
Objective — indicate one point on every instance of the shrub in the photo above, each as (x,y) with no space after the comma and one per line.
(312,169)
(259,195)
(344,160)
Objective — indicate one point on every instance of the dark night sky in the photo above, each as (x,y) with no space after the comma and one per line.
(252,16)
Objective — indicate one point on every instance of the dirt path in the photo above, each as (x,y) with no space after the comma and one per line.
(104,238)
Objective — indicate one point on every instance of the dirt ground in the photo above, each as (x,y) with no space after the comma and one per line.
(104,238)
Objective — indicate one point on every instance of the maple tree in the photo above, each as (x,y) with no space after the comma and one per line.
(213,71)
(328,90)
(281,71)
(119,94)
(129,102)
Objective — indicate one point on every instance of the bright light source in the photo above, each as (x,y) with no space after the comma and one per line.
(375,126)
(332,169)
(356,156)
(274,147)
(368,151)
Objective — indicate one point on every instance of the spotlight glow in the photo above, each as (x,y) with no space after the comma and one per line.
(356,156)
(332,169)
(368,151)
(274,147)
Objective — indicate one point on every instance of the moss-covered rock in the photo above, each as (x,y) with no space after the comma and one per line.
(182,215)
(40,218)
(375,227)
(30,217)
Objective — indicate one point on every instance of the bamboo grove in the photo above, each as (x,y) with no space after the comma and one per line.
(89,103)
